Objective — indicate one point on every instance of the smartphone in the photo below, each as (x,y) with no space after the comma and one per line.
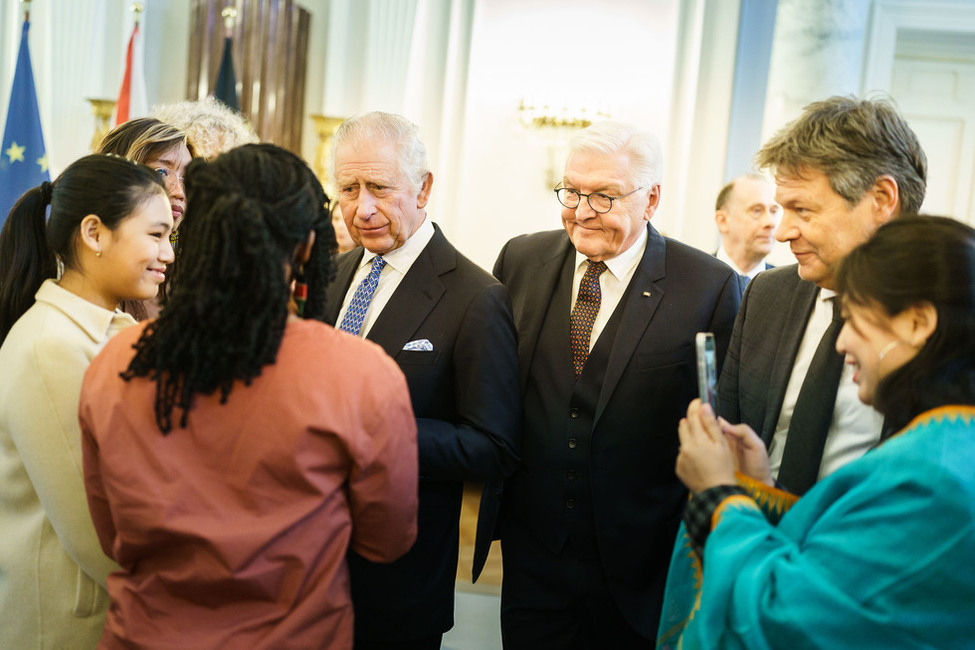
(707,369)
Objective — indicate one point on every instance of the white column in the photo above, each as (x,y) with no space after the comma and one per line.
(817,52)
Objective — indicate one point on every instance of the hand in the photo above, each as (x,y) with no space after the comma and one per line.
(751,457)
(706,459)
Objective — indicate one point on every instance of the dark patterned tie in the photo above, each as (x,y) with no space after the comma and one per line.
(356,314)
(584,314)
(803,453)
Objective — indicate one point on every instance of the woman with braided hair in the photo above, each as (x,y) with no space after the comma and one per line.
(233,449)
(62,278)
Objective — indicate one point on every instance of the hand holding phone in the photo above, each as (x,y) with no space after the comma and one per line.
(707,369)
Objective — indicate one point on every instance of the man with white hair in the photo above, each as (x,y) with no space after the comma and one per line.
(607,311)
(448,325)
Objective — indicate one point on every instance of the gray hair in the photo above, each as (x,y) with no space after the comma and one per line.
(391,128)
(853,142)
(611,137)
(210,126)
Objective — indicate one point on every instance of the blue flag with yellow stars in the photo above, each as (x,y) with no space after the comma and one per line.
(23,158)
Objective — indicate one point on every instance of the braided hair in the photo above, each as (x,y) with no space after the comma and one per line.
(248,210)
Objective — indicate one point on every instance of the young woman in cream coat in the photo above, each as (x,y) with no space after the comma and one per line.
(108,230)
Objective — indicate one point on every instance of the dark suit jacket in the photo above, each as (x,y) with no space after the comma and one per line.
(676,291)
(467,404)
(769,328)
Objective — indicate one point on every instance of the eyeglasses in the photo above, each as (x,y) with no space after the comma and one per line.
(599,202)
(170,178)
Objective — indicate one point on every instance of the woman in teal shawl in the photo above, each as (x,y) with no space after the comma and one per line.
(880,554)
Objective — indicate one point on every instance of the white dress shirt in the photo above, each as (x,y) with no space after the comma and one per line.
(612,282)
(854,428)
(398,263)
(722,255)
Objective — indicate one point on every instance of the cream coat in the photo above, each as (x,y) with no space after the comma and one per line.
(52,569)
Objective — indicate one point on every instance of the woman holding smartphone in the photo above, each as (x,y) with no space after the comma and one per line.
(881,553)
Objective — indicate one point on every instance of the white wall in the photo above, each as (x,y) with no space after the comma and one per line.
(617,55)
(460,69)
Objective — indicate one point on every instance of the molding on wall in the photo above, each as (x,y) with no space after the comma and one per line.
(889,18)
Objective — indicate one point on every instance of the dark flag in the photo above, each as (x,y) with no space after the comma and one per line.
(23,158)
(226,88)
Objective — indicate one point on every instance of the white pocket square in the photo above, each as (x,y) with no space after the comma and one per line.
(421,345)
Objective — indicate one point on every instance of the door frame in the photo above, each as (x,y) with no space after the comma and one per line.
(891,17)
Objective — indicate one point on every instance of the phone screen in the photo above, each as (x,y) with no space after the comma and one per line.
(707,369)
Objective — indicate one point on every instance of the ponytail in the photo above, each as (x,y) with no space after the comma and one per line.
(32,248)
(26,260)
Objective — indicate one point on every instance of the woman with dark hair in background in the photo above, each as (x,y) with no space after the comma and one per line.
(880,554)
(167,150)
(109,229)
(233,450)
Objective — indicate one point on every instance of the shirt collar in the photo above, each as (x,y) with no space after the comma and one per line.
(402,258)
(97,322)
(624,262)
(750,274)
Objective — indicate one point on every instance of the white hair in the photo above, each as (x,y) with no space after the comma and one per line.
(391,128)
(611,137)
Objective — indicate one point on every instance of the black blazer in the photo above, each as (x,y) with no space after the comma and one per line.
(768,331)
(467,404)
(676,291)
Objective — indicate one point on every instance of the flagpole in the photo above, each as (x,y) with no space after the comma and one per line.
(26,9)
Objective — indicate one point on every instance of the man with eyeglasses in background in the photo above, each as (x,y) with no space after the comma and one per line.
(607,311)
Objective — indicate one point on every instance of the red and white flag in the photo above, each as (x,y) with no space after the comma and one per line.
(132,100)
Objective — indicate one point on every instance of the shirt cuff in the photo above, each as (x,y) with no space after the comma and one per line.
(700,509)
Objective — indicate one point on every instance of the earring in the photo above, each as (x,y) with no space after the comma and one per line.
(98,253)
(300,292)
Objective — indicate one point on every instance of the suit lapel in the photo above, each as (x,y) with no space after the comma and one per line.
(534,302)
(640,301)
(415,297)
(794,327)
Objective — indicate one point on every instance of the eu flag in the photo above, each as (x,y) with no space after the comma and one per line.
(226,87)
(23,158)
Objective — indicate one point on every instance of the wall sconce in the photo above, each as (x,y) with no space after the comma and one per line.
(556,126)
(541,115)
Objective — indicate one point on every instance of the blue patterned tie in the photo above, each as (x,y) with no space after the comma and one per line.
(356,314)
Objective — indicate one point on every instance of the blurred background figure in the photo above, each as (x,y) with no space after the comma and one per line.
(212,128)
(166,150)
(234,451)
(109,231)
(342,236)
(880,553)
(747,214)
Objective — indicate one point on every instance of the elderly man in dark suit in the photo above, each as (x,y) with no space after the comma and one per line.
(842,169)
(607,310)
(448,325)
